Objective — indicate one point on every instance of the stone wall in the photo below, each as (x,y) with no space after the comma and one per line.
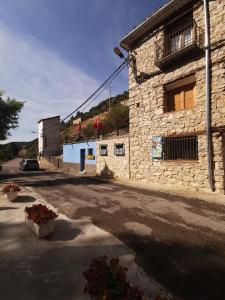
(51,163)
(147,117)
(112,166)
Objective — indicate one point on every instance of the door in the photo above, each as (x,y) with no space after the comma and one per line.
(82,160)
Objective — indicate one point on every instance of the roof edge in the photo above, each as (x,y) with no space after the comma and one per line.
(152,21)
(48,118)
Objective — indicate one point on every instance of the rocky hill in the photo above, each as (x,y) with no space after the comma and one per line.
(18,149)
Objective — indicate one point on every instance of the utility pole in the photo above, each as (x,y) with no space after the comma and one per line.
(208,95)
(110,95)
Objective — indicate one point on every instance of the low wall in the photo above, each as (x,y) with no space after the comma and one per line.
(112,166)
(74,169)
(73,161)
(52,163)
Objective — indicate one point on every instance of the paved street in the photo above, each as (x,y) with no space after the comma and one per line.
(52,268)
(179,242)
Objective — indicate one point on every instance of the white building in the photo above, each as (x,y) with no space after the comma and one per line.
(48,136)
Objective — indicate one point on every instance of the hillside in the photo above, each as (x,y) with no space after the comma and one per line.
(102,107)
(19,149)
(113,112)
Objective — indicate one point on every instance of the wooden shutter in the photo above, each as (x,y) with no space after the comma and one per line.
(180,94)
(178,100)
(189,96)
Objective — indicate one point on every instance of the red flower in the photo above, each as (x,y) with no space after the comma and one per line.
(40,214)
(106,280)
(11,188)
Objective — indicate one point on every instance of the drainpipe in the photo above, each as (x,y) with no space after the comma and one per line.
(208,94)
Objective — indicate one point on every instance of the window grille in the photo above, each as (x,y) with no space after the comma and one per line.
(119,149)
(181,148)
(182,37)
(103,149)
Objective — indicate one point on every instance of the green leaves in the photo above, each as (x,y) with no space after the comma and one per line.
(9,115)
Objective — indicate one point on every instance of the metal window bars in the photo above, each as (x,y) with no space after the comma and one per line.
(181,148)
(186,35)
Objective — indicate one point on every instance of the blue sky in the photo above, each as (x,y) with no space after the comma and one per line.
(54,53)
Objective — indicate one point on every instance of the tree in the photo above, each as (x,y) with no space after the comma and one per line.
(88,131)
(9,115)
(119,116)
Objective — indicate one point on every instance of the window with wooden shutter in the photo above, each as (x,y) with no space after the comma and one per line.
(189,96)
(180,94)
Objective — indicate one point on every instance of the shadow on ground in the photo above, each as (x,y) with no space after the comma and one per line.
(64,231)
(7,208)
(49,179)
(33,269)
(191,267)
(24,199)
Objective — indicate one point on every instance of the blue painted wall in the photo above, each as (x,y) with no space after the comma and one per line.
(71,152)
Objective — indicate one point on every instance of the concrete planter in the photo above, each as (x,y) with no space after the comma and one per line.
(11,196)
(41,230)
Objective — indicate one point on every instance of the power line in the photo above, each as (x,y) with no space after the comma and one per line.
(108,83)
(113,75)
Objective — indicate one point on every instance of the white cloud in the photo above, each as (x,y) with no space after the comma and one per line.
(33,73)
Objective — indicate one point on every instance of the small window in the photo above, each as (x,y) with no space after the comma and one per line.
(180,94)
(90,151)
(103,150)
(181,148)
(119,149)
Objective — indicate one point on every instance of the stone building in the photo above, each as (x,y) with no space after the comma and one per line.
(48,136)
(173,140)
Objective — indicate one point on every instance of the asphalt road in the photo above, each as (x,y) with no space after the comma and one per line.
(179,242)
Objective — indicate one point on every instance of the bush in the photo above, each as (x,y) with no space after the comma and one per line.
(88,131)
(119,116)
(106,280)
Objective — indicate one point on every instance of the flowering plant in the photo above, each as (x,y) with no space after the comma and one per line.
(40,214)
(106,280)
(11,188)
(164,296)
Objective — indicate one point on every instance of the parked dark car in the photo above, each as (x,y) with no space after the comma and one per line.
(29,164)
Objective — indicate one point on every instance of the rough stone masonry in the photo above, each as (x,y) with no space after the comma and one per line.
(148,119)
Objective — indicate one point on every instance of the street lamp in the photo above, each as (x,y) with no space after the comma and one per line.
(118,52)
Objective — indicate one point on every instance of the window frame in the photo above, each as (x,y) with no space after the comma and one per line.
(176,31)
(180,87)
(116,152)
(90,151)
(173,150)
(100,148)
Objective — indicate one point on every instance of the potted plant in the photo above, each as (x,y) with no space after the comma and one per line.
(40,219)
(164,296)
(106,280)
(11,191)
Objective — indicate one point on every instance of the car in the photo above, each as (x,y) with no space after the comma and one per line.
(29,164)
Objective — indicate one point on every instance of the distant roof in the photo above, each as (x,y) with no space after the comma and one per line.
(48,119)
(152,21)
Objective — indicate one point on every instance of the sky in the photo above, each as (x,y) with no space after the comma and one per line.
(54,53)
